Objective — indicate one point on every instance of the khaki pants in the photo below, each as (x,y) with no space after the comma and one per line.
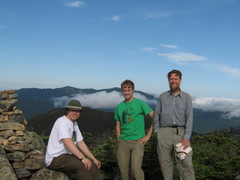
(167,137)
(69,163)
(130,154)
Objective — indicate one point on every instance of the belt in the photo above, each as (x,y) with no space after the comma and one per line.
(172,126)
(176,127)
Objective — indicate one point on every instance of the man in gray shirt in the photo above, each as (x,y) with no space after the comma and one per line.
(173,120)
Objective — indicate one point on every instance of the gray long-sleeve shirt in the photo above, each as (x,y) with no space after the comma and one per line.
(174,111)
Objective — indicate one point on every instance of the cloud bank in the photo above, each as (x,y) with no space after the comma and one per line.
(109,100)
(229,107)
(99,100)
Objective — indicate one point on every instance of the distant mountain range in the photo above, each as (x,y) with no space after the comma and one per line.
(38,108)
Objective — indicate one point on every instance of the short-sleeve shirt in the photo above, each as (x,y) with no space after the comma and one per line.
(62,128)
(131,116)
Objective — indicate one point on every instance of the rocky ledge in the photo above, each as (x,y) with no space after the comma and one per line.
(21,151)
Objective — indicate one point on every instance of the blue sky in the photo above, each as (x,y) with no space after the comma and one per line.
(98,44)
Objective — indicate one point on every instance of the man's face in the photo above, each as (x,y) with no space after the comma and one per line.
(73,114)
(127,92)
(174,82)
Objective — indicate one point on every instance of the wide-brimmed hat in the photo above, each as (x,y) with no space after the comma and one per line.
(180,152)
(74,105)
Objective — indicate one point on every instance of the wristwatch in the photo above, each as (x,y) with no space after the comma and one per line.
(82,158)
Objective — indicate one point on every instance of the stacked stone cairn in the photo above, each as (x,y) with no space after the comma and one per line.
(21,152)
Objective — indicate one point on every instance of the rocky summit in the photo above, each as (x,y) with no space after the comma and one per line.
(21,151)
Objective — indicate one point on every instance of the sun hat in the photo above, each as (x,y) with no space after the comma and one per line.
(180,152)
(74,105)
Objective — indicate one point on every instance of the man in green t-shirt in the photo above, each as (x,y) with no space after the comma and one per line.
(130,130)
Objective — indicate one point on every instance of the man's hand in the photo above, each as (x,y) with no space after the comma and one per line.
(98,164)
(185,143)
(143,140)
(87,163)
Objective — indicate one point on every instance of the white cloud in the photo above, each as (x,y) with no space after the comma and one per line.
(115,18)
(96,100)
(156,15)
(225,69)
(148,49)
(76,4)
(99,100)
(182,57)
(144,98)
(169,46)
(230,107)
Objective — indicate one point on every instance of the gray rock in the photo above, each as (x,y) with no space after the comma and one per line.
(36,141)
(18,118)
(47,174)
(6,170)
(12,126)
(8,105)
(8,133)
(22,173)
(16,156)
(4,96)
(18,147)
(30,164)
(9,96)
(12,96)
(1,140)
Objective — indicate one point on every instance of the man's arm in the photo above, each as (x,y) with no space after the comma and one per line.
(84,148)
(72,148)
(189,122)
(149,133)
(118,131)
(75,151)
(157,115)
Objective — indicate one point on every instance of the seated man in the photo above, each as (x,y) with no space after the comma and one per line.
(66,150)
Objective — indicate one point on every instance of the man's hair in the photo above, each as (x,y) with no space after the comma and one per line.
(127,82)
(177,72)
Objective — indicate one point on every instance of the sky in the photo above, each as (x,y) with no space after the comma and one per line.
(98,44)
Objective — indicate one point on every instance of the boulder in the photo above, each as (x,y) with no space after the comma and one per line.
(6,170)
(47,174)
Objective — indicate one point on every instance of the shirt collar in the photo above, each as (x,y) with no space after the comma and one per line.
(170,93)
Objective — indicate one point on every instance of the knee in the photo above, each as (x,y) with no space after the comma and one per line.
(186,164)
(136,167)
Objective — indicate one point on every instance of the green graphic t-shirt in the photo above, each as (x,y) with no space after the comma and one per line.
(131,117)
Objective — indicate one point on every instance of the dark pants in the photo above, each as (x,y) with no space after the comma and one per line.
(69,163)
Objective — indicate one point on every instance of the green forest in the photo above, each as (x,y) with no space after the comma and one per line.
(216,156)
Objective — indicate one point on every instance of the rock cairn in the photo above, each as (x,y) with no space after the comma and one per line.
(21,152)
